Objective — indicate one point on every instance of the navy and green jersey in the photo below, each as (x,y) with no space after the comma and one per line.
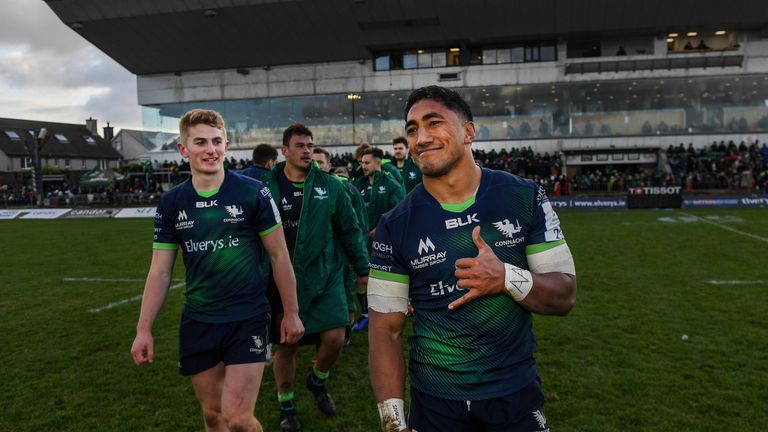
(291,197)
(219,234)
(484,348)
(254,171)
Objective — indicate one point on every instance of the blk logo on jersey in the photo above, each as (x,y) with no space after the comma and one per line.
(382,189)
(206,204)
(412,175)
(462,221)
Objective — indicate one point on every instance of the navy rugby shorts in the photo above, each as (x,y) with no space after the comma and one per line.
(522,411)
(203,345)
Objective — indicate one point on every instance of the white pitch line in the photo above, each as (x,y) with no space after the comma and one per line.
(89,279)
(727,228)
(736,282)
(128,300)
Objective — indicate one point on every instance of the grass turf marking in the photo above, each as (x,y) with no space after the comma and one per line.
(90,279)
(727,228)
(736,282)
(128,300)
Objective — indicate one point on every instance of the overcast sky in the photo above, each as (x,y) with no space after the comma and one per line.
(48,72)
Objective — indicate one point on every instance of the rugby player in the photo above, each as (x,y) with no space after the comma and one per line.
(223,222)
(409,171)
(477,252)
(320,229)
(263,159)
(381,193)
(323,159)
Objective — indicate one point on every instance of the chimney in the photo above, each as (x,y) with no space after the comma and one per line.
(109,132)
(90,123)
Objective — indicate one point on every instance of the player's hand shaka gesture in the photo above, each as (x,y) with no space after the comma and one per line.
(482,275)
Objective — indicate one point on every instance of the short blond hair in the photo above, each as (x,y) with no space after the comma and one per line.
(200,116)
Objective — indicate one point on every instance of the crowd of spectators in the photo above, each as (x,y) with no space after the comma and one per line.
(719,166)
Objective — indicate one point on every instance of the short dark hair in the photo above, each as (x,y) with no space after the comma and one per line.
(320,150)
(400,140)
(374,151)
(263,153)
(451,99)
(295,129)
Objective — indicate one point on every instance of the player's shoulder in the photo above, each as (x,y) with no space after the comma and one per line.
(414,201)
(326,179)
(499,178)
(174,195)
(502,183)
(247,186)
(242,179)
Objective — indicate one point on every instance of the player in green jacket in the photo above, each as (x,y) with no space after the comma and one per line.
(386,166)
(316,212)
(323,159)
(381,193)
(409,171)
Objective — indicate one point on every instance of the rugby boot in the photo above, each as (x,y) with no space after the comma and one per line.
(324,400)
(289,422)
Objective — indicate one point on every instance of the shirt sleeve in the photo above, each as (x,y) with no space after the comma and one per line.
(386,264)
(266,217)
(165,237)
(545,232)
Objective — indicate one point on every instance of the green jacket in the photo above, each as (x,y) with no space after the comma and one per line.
(411,174)
(362,219)
(327,223)
(386,193)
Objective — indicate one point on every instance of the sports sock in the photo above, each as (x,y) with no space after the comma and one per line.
(286,401)
(318,378)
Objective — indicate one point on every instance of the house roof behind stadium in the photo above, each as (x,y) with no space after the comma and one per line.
(63,140)
(150,36)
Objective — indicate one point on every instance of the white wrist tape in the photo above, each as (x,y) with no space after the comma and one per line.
(392,415)
(517,281)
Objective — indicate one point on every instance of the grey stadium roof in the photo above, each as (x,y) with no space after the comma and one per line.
(151,36)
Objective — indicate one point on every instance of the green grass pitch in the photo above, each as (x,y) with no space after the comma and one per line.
(618,362)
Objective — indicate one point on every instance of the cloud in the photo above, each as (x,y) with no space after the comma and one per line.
(48,72)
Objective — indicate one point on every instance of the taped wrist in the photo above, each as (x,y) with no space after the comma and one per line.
(518,282)
(392,415)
